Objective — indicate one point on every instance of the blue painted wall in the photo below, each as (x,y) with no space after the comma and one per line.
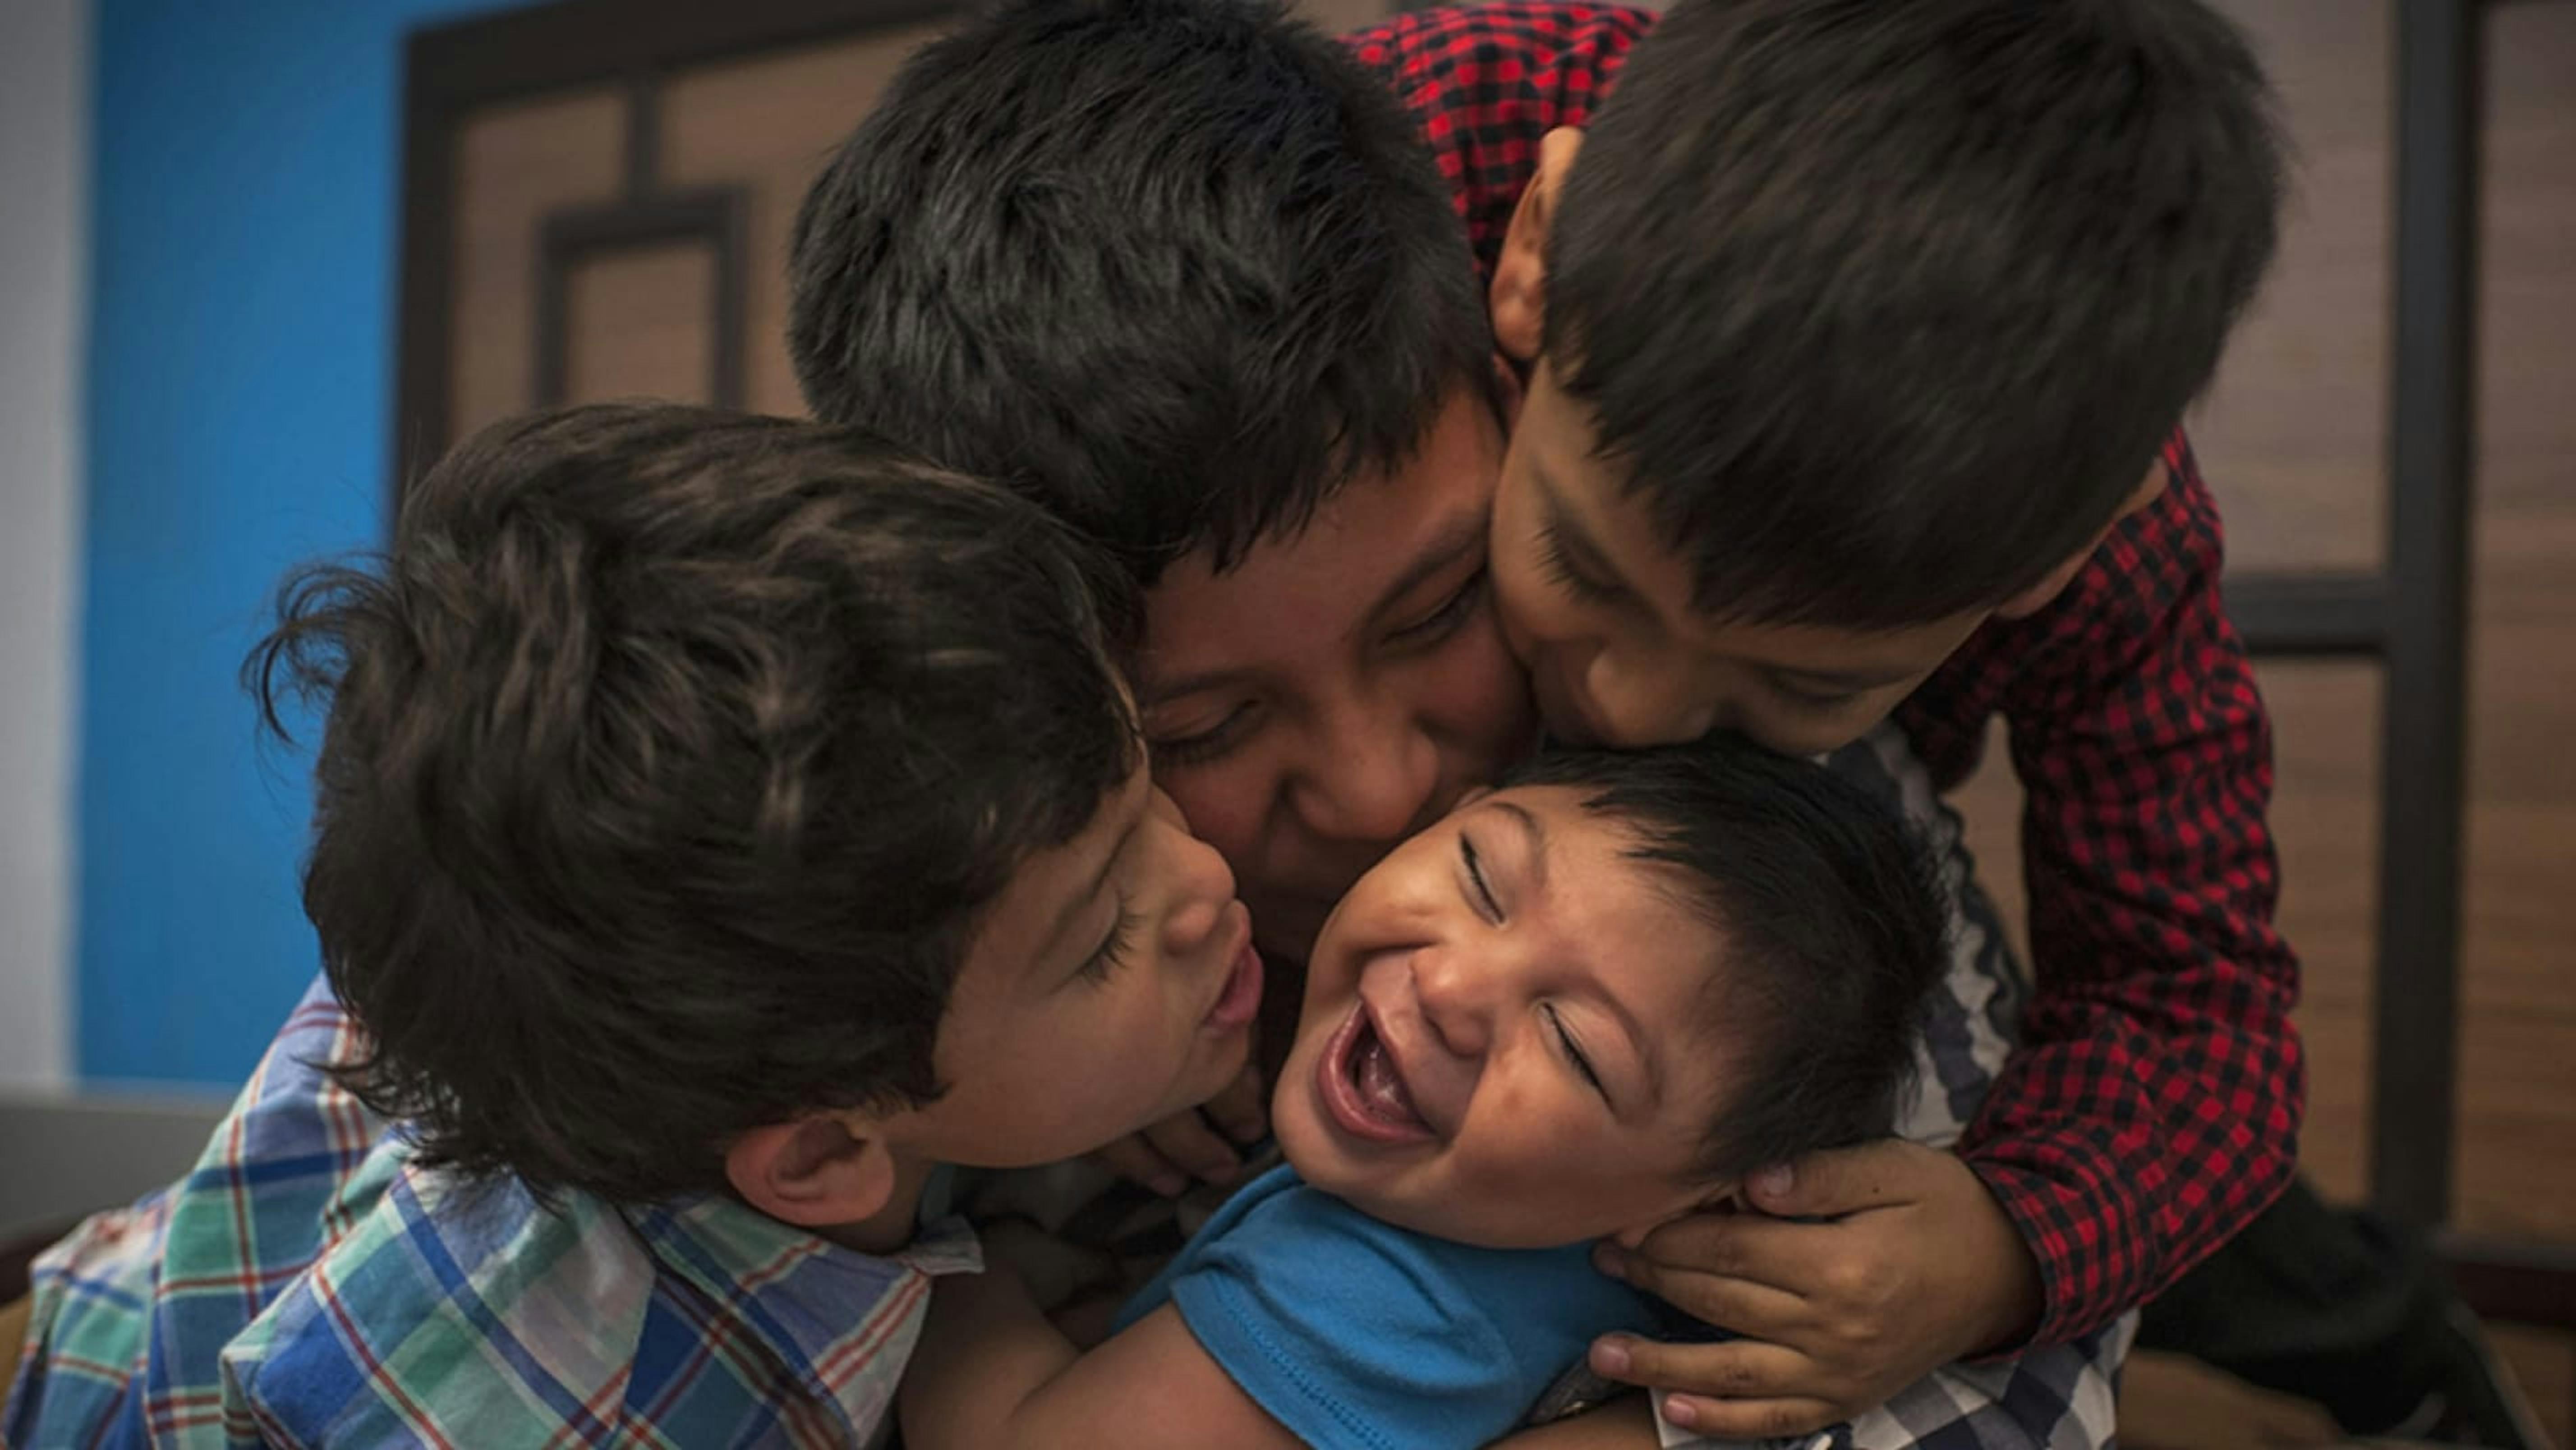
(244,225)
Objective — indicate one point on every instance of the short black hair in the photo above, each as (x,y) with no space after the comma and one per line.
(1176,268)
(1834,925)
(671,759)
(1885,307)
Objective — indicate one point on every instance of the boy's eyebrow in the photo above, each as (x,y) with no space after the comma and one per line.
(1091,890)
(1534,832)
(1163,691)
(1463,536)
(1459,538)
(1644,1044)
(1571,536)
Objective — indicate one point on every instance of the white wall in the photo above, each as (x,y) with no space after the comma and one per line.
(44,171)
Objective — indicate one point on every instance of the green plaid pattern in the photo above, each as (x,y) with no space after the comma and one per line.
(307,1285)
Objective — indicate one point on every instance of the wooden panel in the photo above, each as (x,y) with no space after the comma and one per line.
(2517,1173)
(2293,433)
(768,125)
(2168,1402)
(637,324)
(2325,820)
(2546,1365)
(515,163)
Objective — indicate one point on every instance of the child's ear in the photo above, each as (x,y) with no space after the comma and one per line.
(818,1172)
(2035,598)
(1519,296)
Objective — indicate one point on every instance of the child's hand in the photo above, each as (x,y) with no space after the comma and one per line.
(1053,1271)
(1917,1267)
(1196,1144)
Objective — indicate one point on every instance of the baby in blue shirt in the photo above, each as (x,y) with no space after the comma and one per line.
(1587,1002)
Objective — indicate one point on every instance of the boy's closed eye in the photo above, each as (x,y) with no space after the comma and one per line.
(1482,899)
(1111,953)
(1573,568)
(1444,619)
(1215,732)
(1207,742)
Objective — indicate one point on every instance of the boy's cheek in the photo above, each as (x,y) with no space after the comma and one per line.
(1829,734)
(1520,610)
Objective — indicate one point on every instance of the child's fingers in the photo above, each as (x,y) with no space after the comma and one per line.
(1137,1161)
(1743,1306)
(1733,1370)
(1747,1419)
(1190,1144)
(1241,1111)
(1841,1181)
(1794,1258)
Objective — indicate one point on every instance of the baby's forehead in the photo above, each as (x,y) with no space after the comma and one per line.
(1609,842)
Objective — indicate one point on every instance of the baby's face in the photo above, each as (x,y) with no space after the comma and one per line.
(1507,1038)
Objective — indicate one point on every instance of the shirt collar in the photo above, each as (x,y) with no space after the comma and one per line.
(842,1321)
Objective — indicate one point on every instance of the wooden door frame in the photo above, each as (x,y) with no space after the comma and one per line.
(451,71)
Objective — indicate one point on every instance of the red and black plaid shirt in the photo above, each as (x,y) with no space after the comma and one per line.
(2153,1106)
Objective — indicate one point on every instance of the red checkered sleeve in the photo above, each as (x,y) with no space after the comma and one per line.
(1488,81)
(2153,1105)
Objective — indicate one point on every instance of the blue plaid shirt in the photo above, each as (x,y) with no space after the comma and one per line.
(307,1284)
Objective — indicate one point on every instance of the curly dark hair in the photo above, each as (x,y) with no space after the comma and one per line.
(671,759)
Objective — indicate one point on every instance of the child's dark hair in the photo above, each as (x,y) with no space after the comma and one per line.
(1886,307)
(1176,268)
(1833,920)
(672,758)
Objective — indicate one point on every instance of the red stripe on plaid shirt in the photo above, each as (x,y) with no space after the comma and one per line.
(595,1424)
(2154,1106)
(844,1364)
(365,1354)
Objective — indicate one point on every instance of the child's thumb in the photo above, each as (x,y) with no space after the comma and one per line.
(1832,1183)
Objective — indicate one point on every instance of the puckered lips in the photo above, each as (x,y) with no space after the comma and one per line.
(1361,1079)
(1239,1000)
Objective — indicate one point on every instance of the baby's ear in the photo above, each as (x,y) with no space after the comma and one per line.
(1518,298)
(817,1172)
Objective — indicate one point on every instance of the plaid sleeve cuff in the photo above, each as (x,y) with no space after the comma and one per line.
(2101,1248)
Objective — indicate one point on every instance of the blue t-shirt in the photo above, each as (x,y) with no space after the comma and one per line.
(1355,1333)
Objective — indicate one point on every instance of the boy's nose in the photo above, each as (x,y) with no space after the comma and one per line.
(1203,889)
(1370,779)
(1456,1000)
(1633,707)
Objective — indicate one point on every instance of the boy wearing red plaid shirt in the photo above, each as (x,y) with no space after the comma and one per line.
(1855,341)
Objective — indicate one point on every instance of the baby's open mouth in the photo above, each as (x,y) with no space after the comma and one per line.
(1363,1085)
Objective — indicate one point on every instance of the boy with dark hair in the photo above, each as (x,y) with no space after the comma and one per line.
(1181,272)
(1859,336)
(721,824)
(1592,999)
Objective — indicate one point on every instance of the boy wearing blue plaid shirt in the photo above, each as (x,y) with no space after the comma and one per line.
(722,824)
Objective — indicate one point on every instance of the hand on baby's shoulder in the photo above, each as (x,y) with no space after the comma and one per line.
(1056,1272)
(1205,1144)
